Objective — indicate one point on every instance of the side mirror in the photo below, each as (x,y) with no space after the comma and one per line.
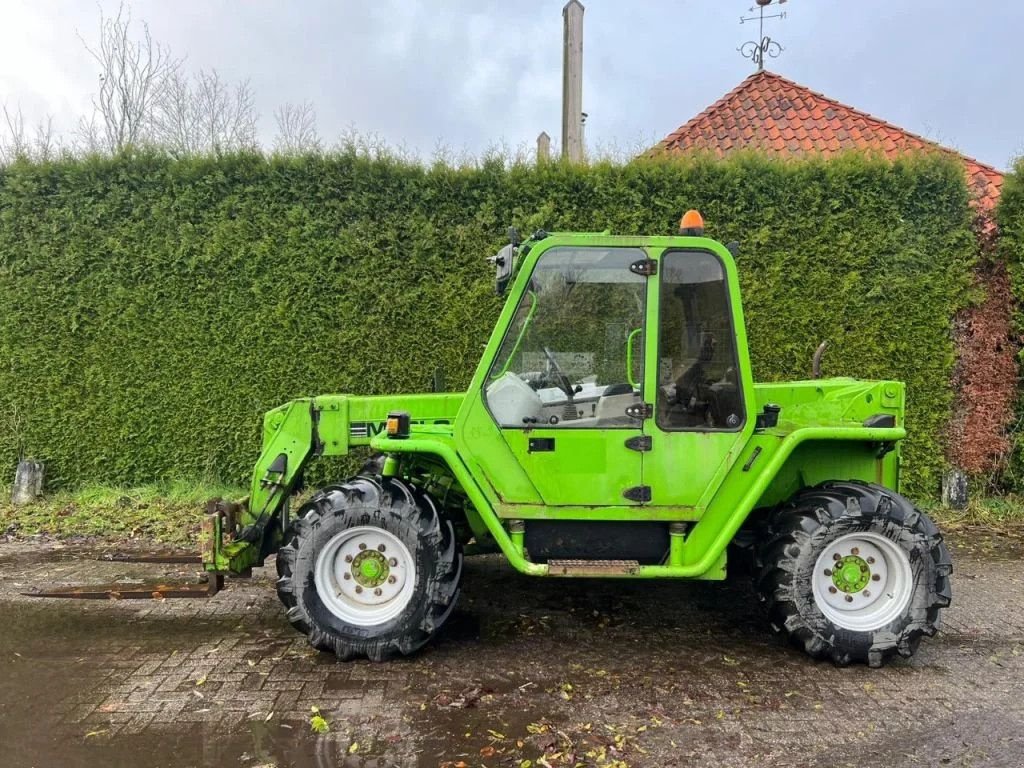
(503,267)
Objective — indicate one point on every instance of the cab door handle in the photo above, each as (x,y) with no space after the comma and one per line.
(540,444)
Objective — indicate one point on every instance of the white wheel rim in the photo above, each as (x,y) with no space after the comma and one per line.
(365,576)
(862,581)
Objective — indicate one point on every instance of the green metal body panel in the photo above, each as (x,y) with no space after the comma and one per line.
(590,467)
(490,457)
(707,480)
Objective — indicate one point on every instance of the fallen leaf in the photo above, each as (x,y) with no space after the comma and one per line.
(317,723)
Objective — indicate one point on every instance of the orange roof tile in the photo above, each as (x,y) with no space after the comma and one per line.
(768,112)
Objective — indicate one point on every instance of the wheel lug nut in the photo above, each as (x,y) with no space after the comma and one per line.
(871,561)
(855,551)
(833,590)
(836,556)
(377,591)
(362,545)
(359,589)
(348,558)
(393,562)
(849,598)
(392,579)
(876,577)
(347,576)
(867,593)
(380,547)
(828,572)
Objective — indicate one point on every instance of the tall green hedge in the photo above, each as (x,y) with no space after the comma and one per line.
(152,309)
(1010,217)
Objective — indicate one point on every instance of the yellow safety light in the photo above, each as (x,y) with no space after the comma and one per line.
(692,224)
(397,424)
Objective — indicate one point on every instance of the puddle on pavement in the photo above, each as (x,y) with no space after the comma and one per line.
(31,555)
(52,652)
(188,747)
(60,629)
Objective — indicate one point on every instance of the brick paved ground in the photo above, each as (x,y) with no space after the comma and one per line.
(650,674)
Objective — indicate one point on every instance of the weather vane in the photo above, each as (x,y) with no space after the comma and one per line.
(756,50)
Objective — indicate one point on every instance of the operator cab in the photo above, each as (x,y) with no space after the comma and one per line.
(617,373)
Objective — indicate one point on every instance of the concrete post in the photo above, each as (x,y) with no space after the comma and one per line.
(954,489)
(28,483)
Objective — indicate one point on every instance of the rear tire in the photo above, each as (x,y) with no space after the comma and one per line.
(853,572)
(369,568)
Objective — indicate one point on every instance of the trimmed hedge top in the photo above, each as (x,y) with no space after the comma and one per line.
(152,309)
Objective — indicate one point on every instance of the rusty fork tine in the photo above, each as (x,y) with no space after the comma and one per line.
(172,558)
(155,592)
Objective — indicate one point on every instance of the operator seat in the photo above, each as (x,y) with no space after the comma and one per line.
(692,380)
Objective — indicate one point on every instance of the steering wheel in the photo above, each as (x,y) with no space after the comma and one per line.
(562,380)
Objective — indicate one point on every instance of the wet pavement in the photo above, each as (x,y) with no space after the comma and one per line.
(528,672)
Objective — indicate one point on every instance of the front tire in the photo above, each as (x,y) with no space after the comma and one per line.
(854,572)
(369,568)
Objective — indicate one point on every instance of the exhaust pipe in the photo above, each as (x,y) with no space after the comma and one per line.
(816,364)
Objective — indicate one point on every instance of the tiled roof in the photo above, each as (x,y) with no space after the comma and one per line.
(769,112)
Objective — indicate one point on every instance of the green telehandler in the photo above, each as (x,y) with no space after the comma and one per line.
(612,428)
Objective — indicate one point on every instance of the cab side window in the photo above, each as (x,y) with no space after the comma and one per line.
(698,372)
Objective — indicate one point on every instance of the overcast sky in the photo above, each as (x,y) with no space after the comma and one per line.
(469,74)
